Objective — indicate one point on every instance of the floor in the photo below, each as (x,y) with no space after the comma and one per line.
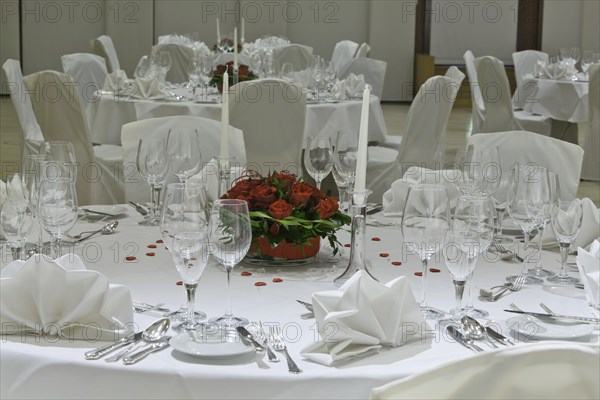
(394,114)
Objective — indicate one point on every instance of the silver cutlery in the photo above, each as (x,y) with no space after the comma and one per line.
(516,286)
(102,351)
(462,339)
(556,316)
(138,208)
(244,334)
(308,306)
(88,211)
(105,230)
(262,338)
(475,330)
(151,334)
(152,348)
(148,307)
(276,339)
(498,336)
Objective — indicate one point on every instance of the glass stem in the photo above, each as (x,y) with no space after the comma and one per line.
(190,291)
(459,288)
(343,197)
(500,218)
(468,301)
(564,254)
(57,247)
(538,265)
(228,312)
(156,200)
(318,184)
(526,246)
(423,301)
(152,194)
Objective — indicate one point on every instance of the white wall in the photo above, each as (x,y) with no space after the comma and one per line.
(562,25)
(9,32)
(590,26)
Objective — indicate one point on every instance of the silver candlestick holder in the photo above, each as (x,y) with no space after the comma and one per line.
(224,174)
(236,76)
(358,260)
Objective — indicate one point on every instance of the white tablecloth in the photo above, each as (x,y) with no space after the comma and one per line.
(107,113)
(44,367)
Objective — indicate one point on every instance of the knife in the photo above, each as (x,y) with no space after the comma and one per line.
(460,338)
(138,208)
(374,209)
(154,347)
(556,316)
(88,211)
(497,336)
(102,351)
(244,334)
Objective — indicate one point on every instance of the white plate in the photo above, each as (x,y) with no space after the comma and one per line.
(210,349)
(113,210)
(553,329)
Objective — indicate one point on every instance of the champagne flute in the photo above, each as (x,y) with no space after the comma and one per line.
(318,158)
(183,151)
(345,155)
(31,168)
(425,222)
(499,197)
(566,222)
(551,200)
(230,235)
(482,169)
(152,164)
(165,63)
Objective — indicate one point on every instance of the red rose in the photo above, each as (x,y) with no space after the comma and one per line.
(280,209)
(300,194)
(274,229)
(262,196)
(318,196)
(243,69)
(327,207)
(242,189)
(286,180)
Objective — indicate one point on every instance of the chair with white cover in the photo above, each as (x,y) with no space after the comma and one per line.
(373,71)
(591,157)
(271,113)
(182,58)
(296,54)
(32,133)
(89,71)
(424,142)
(551,370)
(136,189)
(521,147)
(104,47)
(343,52)
(363,51)
(525,62)
(60,112)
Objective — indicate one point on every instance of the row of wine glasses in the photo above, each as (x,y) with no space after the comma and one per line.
(154,66)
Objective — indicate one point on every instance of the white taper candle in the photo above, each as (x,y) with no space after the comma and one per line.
(243,36)
(235,49)
(218,32)
(363,138)
(225,117)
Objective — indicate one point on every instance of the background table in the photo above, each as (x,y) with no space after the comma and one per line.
(44,367)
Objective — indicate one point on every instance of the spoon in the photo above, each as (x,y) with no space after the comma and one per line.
(152,333)
(105,230)
(489,292)
(474,329)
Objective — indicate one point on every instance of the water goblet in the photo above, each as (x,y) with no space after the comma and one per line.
(551,200)
(318,158)
(230,235)
(16,217)
(425,222)
(345,155)
(151,161)
(60,160)
(499,197)
(31,177)
(566,222)
(183,151)
(164,64)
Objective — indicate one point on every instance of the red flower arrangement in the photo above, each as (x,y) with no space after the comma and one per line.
(284,208)
(244,74)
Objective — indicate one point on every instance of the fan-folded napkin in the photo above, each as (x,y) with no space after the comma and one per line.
(63,298)
(361,317)
(395,198)
(555,71)
(141,88)
(355,85)
(588,264)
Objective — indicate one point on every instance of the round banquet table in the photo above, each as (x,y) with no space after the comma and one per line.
(46,367)
(107,113)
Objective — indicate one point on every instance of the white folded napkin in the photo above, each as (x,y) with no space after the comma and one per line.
(148,88)
(366,315)
(303,78)
(589,231)
(554,71)
(209,177)
(200,49)
(588,264)
(355,85)
(63,298)
(339,90)
(116,81)
(395,197)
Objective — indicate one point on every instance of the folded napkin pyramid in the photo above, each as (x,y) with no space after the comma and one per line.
(588,264)
(589,231)
(355,85)
(395,197)
(366,315)
(63,298)
(142,88)
(555,71)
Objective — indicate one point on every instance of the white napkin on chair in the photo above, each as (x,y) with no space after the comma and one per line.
(63,298)
(366,315)
(589,231)
(588,264)
(395,197)
(355,85)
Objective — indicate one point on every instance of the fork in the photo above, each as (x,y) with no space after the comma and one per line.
(276,339)
(545,307)
(516,286)
(262,338)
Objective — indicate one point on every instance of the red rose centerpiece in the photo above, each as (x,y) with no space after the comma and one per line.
(288,216)
(244,74)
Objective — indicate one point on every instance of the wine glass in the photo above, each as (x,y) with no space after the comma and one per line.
(164,64)
(586,61)
(190,255)
(287,72)
(183,151)
(566,221)
(31,177)
(152,164)
(499,197)
(142,68)
(57,209)
(425,222)
(551,200)
(60,160)
(230,235)
(345,155)
(16,217)
(316,71)
(481,171)
(459,165)
(318,158)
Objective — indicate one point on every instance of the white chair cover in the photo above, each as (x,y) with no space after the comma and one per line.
(455,74)
(373,71)
(136,189)
(476,99)
(243,59)
(296,54)
(363,51)
(591,157)
(550,370)
(61,114)
(521,147)
(524,62)
(32,133)
(104,47)
(343,52)
(181,60)
(424,142)
(88,70)
(271,112)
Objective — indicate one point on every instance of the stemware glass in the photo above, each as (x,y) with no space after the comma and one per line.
(566,221)
(318,158)
(499,197)
(57,209)
(287,72)
(190,255)
(230,235)
(183,151)
(459,165)
(586,61)
(31,177)
(552,199)
(481,171)
(316,71)
(60,160)
(345,155)
(16,217)
(425,222)
(152,164)
(164,63)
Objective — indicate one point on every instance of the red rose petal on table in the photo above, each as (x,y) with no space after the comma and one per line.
(434,270)
(151,246)
(150,254)
(159,241)
(260,284)
(245,273)
(277,280)
(130,258)
(384,255)
(376,239)
(179,283)
(347,245)
(396,263)
(418,273)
